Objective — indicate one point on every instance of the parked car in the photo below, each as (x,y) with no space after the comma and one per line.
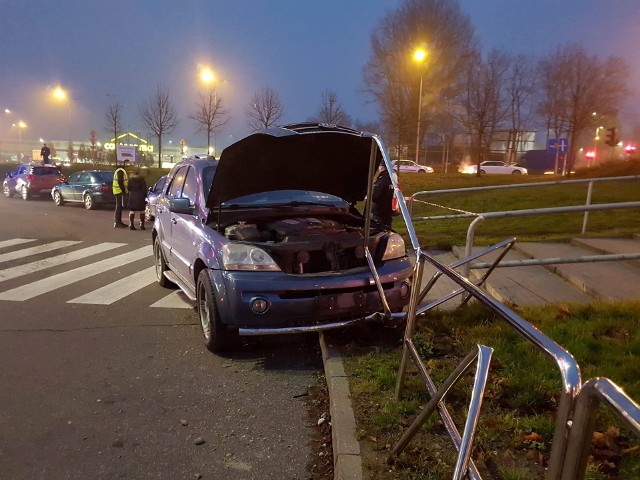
(411,167)
(92,188)
(31,179)
(492,166)
(152,199)
(268,239)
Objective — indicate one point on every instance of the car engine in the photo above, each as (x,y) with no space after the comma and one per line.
(308,244)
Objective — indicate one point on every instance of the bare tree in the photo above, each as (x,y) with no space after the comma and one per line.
(392,79)
(576,84)
(160,116)
(331,110)
(209,115)
(265,109)
(113,116)
(482,103)
(520,91)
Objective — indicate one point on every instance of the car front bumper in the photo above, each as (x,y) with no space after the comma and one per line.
(298,303)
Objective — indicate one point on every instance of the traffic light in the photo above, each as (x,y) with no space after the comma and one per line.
(612,141)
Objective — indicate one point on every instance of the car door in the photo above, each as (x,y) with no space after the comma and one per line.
(79,186)
(184,229)
(67,189)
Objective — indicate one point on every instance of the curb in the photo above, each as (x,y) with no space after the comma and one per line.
(347,462)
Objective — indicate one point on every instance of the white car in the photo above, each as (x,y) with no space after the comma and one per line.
(411,167)
(493,166)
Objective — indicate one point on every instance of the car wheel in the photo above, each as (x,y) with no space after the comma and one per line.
(89,204)
(516,172)
(482,171)
(7,191)
(24,191)
(161,265)
(216,336)
(147,213)
(57,198)
(422,171)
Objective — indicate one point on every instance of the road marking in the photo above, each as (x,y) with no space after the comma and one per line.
(176,299)
(60,280)
(20,270)
(119,289)
(47,247)
(15,241)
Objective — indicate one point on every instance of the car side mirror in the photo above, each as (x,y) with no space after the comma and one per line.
(180,205)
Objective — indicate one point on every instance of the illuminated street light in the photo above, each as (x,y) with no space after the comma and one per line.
(20,125)
(207,76)
(419,56)
(60,95)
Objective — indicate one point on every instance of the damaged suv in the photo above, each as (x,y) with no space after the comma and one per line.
(269,239)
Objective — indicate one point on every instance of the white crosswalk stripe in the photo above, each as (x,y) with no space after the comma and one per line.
(117,290)
(15,241)
(27,252)
(36,266)
(105,295)
(54,282)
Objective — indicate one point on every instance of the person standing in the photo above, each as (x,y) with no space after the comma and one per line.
(382,198)
(45,153)
(137,194)
(119,187)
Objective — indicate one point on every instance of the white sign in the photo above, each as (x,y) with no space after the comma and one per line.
(127,152)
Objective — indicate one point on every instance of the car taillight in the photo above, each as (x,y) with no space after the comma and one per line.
(29,178)
(106,188)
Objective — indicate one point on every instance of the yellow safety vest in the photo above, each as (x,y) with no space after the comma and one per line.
(116,186)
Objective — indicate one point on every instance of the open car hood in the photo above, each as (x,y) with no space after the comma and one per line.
(322,158)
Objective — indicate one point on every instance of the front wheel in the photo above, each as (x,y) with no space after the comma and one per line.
(57,198)
(216,336)
(161,265)
(147,213)
(24,191)
(7,191)
(88,201)
(482,172)
(516,172)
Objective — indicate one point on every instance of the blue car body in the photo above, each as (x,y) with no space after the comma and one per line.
(272,235)
(92,188)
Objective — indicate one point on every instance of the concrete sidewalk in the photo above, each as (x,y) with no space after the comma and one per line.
(530,285)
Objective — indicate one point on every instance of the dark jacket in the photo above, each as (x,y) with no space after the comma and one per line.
(382,197)
(137,192)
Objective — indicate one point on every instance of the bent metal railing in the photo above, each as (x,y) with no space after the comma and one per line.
(567,457)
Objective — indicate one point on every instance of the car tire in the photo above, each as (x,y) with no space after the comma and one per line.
(88,202)
(24,191)
(482,172)
(217,337)
(147,213)
(7,191)
(516,172)
(161,265)
(57,198)
(422,171)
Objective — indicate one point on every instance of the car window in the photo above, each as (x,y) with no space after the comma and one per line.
(175,189)
(104,177)
(84,178)
(45,171)
(159,185)
(74,178)
(190,188)
(22,170)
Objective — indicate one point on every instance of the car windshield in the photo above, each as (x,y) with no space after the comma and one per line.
(286,197)
(207,178)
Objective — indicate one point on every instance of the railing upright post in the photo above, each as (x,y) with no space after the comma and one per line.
(468,249)
(586,214)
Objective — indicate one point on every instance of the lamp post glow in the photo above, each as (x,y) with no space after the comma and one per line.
(419,56)
(60,95)
(20,125)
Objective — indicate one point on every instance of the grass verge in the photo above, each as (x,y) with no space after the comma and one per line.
(517,418)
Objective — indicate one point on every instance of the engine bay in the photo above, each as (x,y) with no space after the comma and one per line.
(309,244)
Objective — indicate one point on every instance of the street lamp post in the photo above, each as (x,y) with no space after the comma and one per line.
(419,56)
(20,125)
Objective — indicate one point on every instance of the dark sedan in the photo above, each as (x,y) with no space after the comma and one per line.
(91,188)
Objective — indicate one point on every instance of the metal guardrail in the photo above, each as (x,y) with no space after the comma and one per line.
(569,447)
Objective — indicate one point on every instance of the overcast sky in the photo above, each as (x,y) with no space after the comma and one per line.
(297,47)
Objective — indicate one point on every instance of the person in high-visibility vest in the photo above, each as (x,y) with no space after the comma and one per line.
(119,187)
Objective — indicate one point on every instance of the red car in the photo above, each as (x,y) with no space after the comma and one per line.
(32,179)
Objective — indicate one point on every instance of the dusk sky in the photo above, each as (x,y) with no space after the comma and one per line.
(299,48)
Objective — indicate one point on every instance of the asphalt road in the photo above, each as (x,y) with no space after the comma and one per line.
(96,383)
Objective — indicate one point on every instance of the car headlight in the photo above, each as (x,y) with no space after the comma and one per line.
(395,247)
(238,256)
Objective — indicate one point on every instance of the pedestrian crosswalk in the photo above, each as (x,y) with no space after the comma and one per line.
(62,271)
